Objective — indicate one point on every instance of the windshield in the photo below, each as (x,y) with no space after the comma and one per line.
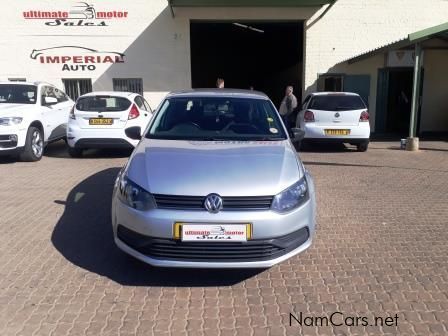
(336,103)
(17,94)
(216,118)
(102,104)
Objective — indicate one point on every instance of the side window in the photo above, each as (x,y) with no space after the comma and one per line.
(147,107)
(139,102)
(46,91)
(60,96)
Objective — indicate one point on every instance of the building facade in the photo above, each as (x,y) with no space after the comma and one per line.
(157,46)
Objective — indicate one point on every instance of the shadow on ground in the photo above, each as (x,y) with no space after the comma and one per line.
(59,150)
(83,236)
(323,147)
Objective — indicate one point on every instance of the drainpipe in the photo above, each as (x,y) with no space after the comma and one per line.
(412,141)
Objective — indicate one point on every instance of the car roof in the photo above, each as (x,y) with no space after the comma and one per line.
(19,83)
(36,83)
(234,93)
(333,93)
(111,93)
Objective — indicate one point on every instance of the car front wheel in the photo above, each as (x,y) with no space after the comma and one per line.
(34,145)
(75,152)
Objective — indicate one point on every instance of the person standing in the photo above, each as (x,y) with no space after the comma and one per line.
(288,106)
(220,83)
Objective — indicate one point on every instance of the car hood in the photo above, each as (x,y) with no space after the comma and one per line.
(198,168)
(13,110)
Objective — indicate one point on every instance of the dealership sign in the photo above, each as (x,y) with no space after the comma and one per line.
(75,58)
(81,14)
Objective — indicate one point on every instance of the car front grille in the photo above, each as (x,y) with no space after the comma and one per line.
(6,141)
(236,203)
(252,250)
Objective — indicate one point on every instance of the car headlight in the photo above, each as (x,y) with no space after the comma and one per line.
(133,195)
(292,197)
(9,121)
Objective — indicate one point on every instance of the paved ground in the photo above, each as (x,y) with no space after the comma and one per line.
(381,249)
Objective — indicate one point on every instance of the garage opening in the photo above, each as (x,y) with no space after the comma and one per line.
(267,56)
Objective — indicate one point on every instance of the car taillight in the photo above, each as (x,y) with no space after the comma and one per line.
(133,113)
(364,116)
(72,113)
(309,116)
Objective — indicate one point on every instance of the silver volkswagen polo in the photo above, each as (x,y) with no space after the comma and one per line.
(215,182)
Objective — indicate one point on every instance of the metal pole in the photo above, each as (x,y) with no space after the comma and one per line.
(415,91)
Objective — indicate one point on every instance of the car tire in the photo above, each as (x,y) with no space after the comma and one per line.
(75,152)
(34,145)
(362,147)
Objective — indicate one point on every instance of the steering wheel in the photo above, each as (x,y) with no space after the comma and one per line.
(187,125)
(253,127)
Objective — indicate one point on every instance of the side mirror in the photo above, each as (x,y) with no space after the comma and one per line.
(134,132)
(50,100)
(297,134)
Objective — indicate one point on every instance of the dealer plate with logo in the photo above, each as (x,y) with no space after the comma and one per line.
(101,121)
(337,132)
(212,232)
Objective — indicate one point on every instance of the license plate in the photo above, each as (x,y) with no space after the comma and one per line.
(101,121)
(212,232)
(337,132)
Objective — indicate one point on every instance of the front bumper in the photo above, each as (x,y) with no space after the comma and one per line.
(149,236)
(98,138)
(12,140)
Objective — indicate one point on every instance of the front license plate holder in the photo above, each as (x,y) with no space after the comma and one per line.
(215,232)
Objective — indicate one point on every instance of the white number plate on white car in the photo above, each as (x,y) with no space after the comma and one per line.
(215,232)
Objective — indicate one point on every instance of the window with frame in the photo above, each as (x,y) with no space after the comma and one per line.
(75,87)
(330,82)
(134,85)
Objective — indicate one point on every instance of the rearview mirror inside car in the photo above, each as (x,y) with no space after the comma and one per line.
(297,134)
(50,101)
(134,132)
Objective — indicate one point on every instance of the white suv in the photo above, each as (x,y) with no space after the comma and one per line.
(31,115)
(100,119)
(336,117)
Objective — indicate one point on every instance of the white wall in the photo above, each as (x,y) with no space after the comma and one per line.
(352,27)
(434,111)
(157,46)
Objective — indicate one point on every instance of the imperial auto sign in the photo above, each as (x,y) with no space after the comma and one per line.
(76,58)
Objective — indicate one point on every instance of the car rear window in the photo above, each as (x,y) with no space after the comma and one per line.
(102,104)
(336,103)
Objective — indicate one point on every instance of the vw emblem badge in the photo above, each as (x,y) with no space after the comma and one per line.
(213,203)
(337,115)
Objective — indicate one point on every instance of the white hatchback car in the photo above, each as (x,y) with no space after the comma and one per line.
(31,115)
(335,116)
(99,120)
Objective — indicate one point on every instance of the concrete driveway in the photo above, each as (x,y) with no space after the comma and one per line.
(380,255)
